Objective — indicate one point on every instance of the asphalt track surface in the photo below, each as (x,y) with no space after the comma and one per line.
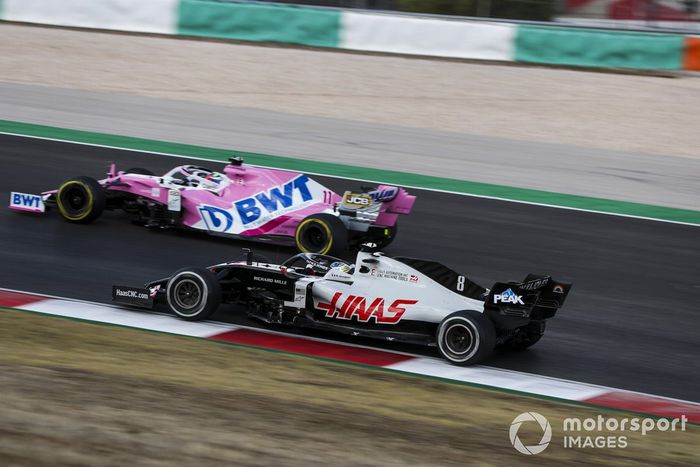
(631,321)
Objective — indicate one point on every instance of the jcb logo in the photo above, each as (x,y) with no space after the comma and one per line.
(354,199)
(363,308)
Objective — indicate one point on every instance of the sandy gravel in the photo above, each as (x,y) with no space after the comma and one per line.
(619,112)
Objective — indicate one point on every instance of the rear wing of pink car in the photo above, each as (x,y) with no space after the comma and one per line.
(394,201)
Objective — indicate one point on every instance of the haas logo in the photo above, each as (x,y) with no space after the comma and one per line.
(363,309)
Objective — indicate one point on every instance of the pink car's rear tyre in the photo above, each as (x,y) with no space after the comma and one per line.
(322,233)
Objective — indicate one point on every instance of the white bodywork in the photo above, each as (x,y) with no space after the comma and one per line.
(388,292)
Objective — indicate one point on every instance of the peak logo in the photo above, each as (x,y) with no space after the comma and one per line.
(508,297)
(363,309)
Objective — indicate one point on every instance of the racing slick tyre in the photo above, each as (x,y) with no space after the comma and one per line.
(466,337)
(322,233)
(138,171)
(80,200)
(193,293)
(527,336)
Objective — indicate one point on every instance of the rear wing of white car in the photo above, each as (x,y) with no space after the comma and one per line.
(538,297)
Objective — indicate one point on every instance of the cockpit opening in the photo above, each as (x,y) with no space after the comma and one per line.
(314,264)
(196,177)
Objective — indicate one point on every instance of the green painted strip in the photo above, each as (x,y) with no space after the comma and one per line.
(485,387)
(363,173)
(259,22)
(597,48)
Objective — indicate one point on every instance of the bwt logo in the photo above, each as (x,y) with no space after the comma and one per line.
(216,219)
(19,199)
(250,209)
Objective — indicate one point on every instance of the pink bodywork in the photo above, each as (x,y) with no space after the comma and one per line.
(249,201)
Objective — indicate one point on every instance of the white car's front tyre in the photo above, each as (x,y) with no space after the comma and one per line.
(193,294)
(466,337)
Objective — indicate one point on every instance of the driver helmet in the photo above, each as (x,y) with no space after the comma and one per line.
(201,177)
(342,267)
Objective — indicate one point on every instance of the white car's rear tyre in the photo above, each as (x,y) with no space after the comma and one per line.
(193,294)
(466,337)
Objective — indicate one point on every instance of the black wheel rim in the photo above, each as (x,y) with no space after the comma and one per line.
(187,294)
(74,199)
(459,339)
(314,237)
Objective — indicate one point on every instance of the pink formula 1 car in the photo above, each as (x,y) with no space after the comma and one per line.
(240,202)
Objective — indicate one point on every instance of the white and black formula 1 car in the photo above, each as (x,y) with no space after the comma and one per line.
(397,299)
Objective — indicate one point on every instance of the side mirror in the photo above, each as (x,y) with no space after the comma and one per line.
(248,256)
(369,247)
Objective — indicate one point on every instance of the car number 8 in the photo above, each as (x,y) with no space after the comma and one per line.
(460,283)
